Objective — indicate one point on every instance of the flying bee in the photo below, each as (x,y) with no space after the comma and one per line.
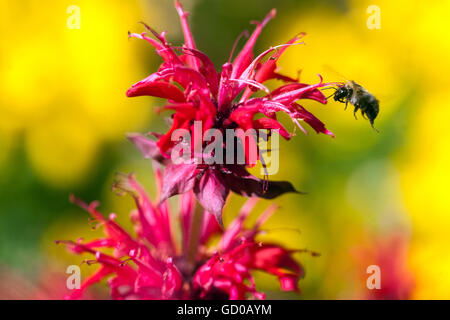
(360,98)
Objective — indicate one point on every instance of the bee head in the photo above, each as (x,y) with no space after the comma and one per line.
(341,93)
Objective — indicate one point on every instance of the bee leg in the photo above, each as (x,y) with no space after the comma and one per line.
(363,115)
(346,104)
(354,112)
(376,130)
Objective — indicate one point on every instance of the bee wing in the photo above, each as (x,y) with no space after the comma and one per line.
(330,70)
(387,97)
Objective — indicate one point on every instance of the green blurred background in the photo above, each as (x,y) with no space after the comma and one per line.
(372,198)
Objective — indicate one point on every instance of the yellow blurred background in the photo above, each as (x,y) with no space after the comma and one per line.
(372,198)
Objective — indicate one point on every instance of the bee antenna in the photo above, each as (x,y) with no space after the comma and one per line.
(331,95)
(335,89)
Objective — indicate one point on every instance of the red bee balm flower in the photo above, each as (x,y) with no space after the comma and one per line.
(196,92)
(152,265)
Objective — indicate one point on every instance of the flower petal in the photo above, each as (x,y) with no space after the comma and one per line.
(154,224)
(245,57)
(188,38)
(177,179)
(294,93)
(277,261)
(240,181)
(160,89)
(146,146)
(271,124)
(211,192)
(207,69)
(313,94)
(310,119)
